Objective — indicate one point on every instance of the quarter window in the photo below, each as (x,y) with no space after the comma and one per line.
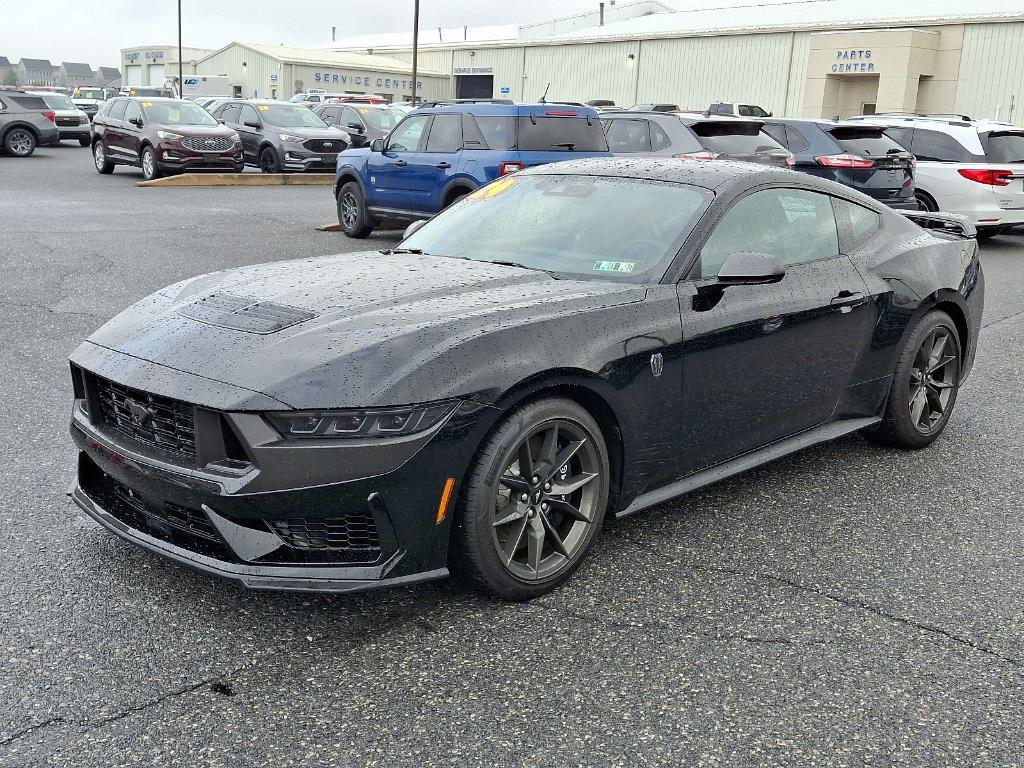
(659,139)
(794,225)
(406,137)
(863,223)
(629,135)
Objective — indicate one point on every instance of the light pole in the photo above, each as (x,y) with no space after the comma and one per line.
(181,82)
(415,45)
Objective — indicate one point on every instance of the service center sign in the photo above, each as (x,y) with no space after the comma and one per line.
(853,61)
(386,82)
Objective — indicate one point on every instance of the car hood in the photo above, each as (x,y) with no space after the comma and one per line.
(200,131)
(356,330)
(308,133)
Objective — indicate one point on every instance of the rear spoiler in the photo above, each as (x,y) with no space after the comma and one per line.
(951,223)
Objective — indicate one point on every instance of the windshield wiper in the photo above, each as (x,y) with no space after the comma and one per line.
(520,265)
(413,251)
(567,144)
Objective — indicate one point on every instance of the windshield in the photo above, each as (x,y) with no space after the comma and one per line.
(381,119)
(289,116)
(1006,147)
(58,101)
(177,113)
(586,226)
(90,93)
(151,92)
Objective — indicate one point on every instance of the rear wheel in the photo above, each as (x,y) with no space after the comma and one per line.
(924,386)
(150,170)
(533,500)
(19,142)
(99,157)
(926,201)
(352,214)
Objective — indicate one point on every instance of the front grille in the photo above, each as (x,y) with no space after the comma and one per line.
(67,121)
(159,421)
(207,143)
(324,145)
(354,535)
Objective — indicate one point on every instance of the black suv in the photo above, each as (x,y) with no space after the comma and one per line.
(857,155)
(280,136)
(362,122)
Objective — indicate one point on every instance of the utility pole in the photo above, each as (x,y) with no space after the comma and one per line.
(415,45)
(181,81)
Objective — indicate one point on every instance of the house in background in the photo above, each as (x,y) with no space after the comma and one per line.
(73,74)
(35,72)
(7,74)
(108,77)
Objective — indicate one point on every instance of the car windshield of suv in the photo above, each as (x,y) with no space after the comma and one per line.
(381,119)
(58,101)
(289,116)
(90,93)
(590,227)
(1006,147)
(177,113)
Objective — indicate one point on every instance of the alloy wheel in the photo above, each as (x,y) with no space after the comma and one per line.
(933,379)
(99,155)
(546,500)
(147,164)
(349,210)
(21,143)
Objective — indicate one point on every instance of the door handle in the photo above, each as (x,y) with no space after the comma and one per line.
(444,166)
(401,163)
(847,300)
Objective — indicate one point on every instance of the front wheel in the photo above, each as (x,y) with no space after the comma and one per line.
(150,170)
(924,386)
(99,157)
(533,501)
(352,214)
(268,161)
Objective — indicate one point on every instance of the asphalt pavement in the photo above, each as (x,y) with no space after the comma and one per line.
(846,606)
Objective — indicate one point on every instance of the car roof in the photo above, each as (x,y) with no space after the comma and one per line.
(709,175)
(484,108)
(821,122)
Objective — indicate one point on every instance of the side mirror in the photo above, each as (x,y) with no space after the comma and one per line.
(357,127)
(136,121)
(252,124)
(413,228)
(220,120)
(769,114)
(377,145)
(750,268)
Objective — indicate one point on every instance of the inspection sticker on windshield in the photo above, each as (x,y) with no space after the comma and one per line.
(614,266)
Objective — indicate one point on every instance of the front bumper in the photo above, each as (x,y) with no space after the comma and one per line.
(74,131)
(298,158)
(269,524)
(179,159)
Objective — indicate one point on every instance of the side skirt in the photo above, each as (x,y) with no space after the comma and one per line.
(742,463)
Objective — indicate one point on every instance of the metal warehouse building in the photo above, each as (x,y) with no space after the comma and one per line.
(818,58)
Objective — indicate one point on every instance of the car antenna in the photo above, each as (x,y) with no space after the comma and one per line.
(544,98)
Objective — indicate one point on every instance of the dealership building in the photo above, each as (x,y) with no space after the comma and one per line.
(820,58)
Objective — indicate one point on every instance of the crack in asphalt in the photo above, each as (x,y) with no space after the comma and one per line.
(1001,320)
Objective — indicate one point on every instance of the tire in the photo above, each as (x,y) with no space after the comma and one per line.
(456,196)
(269,162)
(19,142)
(84,141)
(99,158)
(926,201)
(517,538)
(352,214)
(908,422)
(150,169)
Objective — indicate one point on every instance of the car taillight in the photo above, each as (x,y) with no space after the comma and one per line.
(51,116)
(505,168)
(707,154)
(844,161)
(997,178)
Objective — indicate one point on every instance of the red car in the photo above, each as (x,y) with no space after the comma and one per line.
(358,100)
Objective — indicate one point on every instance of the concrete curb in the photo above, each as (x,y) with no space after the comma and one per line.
(242,180)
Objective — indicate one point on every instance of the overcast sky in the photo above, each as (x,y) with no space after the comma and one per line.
(95,32)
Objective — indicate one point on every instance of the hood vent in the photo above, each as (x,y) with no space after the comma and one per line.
(244,313)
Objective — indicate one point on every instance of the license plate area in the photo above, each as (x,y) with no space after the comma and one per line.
(211,157)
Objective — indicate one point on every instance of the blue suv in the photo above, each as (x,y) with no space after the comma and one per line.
(439,154)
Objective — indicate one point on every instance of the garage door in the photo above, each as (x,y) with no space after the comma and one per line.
(133,74)
(156,74)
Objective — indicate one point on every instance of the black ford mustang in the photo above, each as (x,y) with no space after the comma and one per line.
(569,342)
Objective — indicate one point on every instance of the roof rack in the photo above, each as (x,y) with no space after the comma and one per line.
(936,115)
(449,102)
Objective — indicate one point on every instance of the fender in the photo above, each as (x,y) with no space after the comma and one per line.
(457,182)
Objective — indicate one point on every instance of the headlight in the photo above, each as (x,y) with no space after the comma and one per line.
(289,137)
(370,422)
(168,136)
(235,138)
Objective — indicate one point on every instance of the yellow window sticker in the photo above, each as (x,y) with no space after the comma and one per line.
(493,189)
(364,111)
(147,103)
(262,107)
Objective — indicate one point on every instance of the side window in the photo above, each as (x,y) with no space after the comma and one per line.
(794,225)
(132,112)
(231,113)
(795,140)
(406,137)
(659,139)
(938,147)
(249,115)
(777,132)
(629,135)
(445,134)
(117,111)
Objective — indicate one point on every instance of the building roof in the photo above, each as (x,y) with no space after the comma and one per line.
(709,17)
(4,61)
(108,73)
(36,64)
(507,33)
(319,58)
(75,68)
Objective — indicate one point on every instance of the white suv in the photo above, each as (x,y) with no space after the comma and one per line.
(971,167)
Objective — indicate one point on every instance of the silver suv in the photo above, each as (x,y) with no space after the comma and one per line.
(25,123)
